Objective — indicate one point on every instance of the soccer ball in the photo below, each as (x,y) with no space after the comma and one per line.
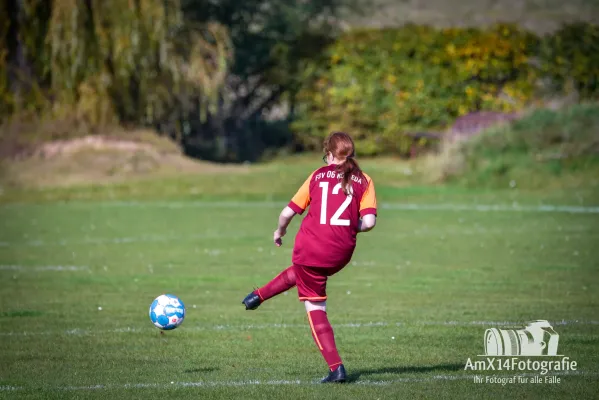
(167,312)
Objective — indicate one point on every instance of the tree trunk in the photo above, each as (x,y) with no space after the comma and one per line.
(17,63)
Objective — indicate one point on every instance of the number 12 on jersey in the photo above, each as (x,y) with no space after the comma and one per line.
(335,220)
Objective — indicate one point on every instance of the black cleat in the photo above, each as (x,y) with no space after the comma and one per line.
(252,301)
(336,376)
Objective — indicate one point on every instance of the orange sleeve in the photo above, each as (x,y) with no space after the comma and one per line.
(368,201)
(301,200)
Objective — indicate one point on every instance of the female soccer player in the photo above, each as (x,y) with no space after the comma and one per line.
(342,203)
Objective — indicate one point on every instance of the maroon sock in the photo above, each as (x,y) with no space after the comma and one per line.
(324,337)
(282,282)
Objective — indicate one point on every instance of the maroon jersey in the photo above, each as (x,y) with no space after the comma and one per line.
(327,235)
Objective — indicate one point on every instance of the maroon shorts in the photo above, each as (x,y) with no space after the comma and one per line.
(312,281)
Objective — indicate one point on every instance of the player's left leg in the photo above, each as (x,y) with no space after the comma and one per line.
(281,283)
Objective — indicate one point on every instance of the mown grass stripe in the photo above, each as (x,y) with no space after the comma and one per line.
(280,382)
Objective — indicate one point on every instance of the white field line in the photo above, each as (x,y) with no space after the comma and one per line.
(238,328)
(200,384)
(493,208)
(514,207)
(43,268)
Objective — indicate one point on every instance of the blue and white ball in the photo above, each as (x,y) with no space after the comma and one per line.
(167,312)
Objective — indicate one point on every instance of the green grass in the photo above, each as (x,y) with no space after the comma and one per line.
(543,151)
(543,144)
(417,270)
(395,180)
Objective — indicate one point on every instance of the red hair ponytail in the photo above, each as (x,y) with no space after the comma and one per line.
(348,168)
(341,145)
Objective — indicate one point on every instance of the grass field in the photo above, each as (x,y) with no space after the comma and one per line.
(408,312)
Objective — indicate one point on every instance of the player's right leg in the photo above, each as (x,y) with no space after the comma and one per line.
(311,289)
(323,335)
(281,283)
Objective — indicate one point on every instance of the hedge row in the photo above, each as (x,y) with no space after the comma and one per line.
(383,85)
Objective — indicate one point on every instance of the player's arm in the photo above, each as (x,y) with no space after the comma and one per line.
(284,220)
(368,208)
(297,205)
(367,222)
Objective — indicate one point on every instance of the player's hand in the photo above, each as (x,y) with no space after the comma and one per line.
(277,237)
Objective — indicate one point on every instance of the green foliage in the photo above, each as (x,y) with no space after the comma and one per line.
(112,60)
(273,39)
(570,58)
(19,89)
(162,63)
(546,134)
(382,85)
(379,85)
(545,143)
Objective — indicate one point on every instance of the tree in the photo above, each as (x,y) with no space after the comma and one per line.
(220,74)
(137,62)
(272,40)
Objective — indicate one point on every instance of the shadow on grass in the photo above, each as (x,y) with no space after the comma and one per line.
(355,375)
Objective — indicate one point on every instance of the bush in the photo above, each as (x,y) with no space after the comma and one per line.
(380,85)
(383,85)
(570,59)
(546,135)
(544,143)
